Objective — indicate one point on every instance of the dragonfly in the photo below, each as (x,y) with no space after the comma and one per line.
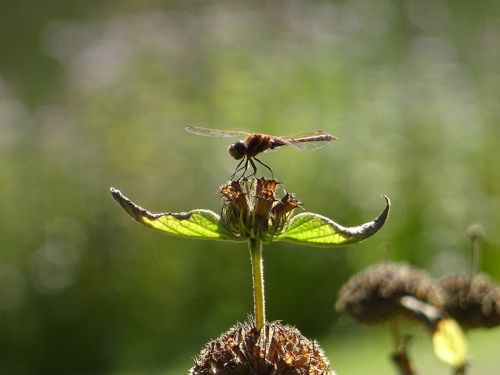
(252,144)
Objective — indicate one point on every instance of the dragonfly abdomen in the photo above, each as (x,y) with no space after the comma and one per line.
(259,143)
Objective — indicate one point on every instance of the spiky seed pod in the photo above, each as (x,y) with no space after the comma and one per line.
(472,300)
(276,350)
(373,296)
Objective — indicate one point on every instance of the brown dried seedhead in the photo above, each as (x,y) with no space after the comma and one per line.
(472,300)
(276,350)
(373,296)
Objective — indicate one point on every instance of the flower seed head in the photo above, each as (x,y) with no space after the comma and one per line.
(475,232)
(373,296)
(277,349)
(252,209)
(472,300)
(287,204)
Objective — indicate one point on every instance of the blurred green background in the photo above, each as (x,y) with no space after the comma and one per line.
(97,94)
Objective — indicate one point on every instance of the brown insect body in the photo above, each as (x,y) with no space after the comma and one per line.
(253,144)
(258,143)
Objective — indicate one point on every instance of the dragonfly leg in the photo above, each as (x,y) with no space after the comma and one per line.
(265,165)
(239,168)
(254,167)
(245,168)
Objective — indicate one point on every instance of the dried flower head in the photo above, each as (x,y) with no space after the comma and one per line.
(276,349)
(373,296)
(251,209)
(472,300)
(475,232)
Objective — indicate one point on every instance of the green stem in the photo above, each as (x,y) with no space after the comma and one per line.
(476,255)
(395,333)
(255,246)
(400,355)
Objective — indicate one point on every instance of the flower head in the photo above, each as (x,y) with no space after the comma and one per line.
(473,300)
(374,295)
(255,208)
(387,291)
(251,208)
(276,349)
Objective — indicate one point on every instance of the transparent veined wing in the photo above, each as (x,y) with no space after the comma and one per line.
(215,132)
(310,141)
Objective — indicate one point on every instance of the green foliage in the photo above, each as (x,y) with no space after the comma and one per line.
(450,344)
(202,224)
(312,229)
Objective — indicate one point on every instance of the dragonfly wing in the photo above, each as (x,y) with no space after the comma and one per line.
(215,132)
(310,141)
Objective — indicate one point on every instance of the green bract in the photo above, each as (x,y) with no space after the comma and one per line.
(306,228)
(314,229)
(195,224)
(450,344)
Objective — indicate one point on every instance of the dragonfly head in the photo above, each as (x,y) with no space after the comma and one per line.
(237,150)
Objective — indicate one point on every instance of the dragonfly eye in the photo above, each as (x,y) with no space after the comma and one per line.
(237,150)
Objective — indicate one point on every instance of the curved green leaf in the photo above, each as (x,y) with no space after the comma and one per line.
(203,224)
(314,229)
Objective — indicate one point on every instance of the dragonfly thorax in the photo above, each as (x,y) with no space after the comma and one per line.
(237,150)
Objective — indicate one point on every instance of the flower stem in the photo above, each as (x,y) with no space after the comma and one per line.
(476,255)
(255,246)
(400,355)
